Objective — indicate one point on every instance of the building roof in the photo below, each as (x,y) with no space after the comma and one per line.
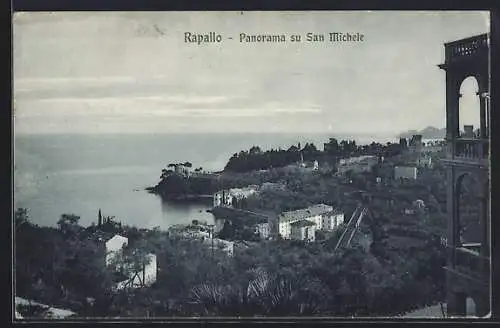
(302,223)
(116,243)
(314,210)
(405,166)
(99,236)
(357,160)
(335,212)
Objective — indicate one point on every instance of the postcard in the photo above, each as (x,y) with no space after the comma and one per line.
(204,165)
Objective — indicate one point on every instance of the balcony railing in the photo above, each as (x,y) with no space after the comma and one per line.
(471,149)
(472,263)
(466,47)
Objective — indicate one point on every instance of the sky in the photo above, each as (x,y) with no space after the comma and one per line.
(132,72)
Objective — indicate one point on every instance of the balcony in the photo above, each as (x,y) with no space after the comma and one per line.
(469,151)
(471,148)
(466,48)
(469,263)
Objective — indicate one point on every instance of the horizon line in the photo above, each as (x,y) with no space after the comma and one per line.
(342,133)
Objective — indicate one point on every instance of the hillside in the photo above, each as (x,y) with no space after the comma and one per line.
(427,133)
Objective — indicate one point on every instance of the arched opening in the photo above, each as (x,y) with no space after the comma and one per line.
(469,114)
(469,202)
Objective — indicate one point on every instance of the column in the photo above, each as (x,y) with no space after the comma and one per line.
(482,124)
(452,112)
(488,213)
(482,111)
(452,106)
(451,205)
(485,245)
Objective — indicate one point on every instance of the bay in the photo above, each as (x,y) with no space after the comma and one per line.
(80,174)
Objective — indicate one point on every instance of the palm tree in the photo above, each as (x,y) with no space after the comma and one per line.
(264,294)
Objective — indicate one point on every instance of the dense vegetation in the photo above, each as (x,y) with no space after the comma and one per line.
(256,167)
(256,159)
(394,265)
(401,269)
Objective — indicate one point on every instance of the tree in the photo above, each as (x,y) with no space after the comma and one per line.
(165,173)
(111,225)
(99,218)
(255,150)
(133,260)
(262,293)
(174,186)
(68,224)
(21,217)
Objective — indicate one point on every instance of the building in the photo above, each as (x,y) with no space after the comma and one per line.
(331,220)
(403,142)
(424,160)
(468,240)
(303,230)
(409,211)
(195,230)
(420,204)
(433,146)
(263,229)
(189,232)
(144,277)
(415,143)
(356,164)
(405,172)
(230,197)
(468,131)
(183,170)
(272,186)
(114,247)
(315,214)
(221,198)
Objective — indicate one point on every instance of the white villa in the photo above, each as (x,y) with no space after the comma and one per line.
(323,216)
(114,246)
(424,160)
(226,197)
(303,230)
(332,220)
(357,164)
(199,231)
(142,278)
(405,172)
(263,229)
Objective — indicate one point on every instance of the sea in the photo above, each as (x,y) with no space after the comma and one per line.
(82,174)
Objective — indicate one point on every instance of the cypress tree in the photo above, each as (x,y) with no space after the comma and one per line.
(99,218)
